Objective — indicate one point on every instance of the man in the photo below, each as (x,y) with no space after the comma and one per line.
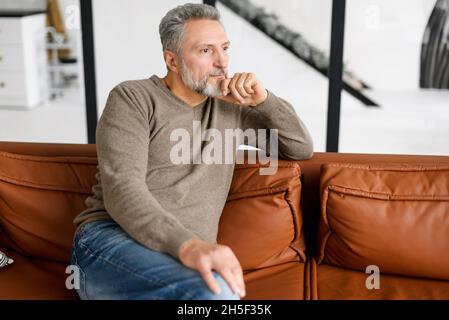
(150,227)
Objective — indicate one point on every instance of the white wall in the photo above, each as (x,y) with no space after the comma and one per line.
(280,72)
(127,44)
(382,37)
(311,18)
(383,41)
(23,4)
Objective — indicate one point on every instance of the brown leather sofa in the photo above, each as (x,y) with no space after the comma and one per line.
(307,232)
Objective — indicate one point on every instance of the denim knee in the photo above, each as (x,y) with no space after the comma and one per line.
(226,292)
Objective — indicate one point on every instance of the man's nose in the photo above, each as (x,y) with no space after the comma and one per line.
(221,60)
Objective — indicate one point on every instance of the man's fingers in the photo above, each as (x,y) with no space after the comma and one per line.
(232,281)
(224,86)
(238,88)
(210,281)
(240,85)
(238,273)
(233,89)
(250,80)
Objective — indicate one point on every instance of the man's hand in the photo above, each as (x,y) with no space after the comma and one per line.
(243,89)
(205,257)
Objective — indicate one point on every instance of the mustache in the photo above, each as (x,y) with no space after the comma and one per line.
(219,73)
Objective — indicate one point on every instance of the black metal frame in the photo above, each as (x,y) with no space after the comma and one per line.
(284,36)
(210,2)
(335,71)
(89,69)
(335,75)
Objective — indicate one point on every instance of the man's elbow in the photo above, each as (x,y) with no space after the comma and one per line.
(302,151)
(309,150)
(306,153)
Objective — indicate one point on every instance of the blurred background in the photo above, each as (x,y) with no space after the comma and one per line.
(395,81)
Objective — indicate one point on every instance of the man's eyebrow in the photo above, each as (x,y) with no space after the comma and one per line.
(211,45)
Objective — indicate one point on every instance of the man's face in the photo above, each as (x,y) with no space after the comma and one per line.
(204,60)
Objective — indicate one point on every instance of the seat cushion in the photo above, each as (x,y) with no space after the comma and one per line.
(39,198)
(395,217)
(279,282)
(29,278)
(334,283)
(261,220)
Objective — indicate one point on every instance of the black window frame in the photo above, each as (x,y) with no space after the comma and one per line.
(334,75)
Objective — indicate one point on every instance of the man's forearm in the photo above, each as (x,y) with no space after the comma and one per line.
(295,141)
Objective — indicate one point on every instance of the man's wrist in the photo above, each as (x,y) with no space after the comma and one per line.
(186,245)
(262,100)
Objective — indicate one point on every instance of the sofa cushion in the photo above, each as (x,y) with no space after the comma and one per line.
(261,220)
(39,197)
(334,283)
(284,281)
(394,216)
(31,278)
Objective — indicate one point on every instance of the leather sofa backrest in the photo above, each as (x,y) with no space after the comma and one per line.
(310,169)
(40,197)
(310,198)
(261,220)
(392,216)
(44,187)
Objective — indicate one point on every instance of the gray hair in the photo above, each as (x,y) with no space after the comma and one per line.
(171,28)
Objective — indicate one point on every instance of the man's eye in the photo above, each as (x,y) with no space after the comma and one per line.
(205,50)
(225,48)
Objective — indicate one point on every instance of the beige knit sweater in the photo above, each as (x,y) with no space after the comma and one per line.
(159,203)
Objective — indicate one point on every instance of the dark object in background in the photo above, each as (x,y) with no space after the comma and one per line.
(294,42)
(55,20)
(434,72)
(4,260)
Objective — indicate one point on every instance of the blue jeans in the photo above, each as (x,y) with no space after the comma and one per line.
(112,265)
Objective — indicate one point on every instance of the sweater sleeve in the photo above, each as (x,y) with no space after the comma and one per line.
(294,140)
(122,141)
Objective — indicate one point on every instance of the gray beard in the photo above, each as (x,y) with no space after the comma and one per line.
(201,86)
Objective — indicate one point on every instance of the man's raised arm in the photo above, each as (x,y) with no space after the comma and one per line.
(294,140)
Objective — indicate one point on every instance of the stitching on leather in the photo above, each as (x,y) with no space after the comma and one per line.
(287,164)
(295,216)
(399,166)
(384,195)
(50,159)
(75,173)
(324,216)
(257,192)
(41,186)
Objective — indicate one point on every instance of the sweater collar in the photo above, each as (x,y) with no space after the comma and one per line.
(160,83)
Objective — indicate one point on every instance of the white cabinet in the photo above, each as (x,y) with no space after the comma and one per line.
(23,61)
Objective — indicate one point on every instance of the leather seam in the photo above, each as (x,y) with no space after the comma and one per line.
(50,159)
(40,186)
(383,195)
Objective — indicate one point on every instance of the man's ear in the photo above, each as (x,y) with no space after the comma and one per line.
(171,60)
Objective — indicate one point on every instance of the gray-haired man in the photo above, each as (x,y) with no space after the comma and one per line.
(150,228)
